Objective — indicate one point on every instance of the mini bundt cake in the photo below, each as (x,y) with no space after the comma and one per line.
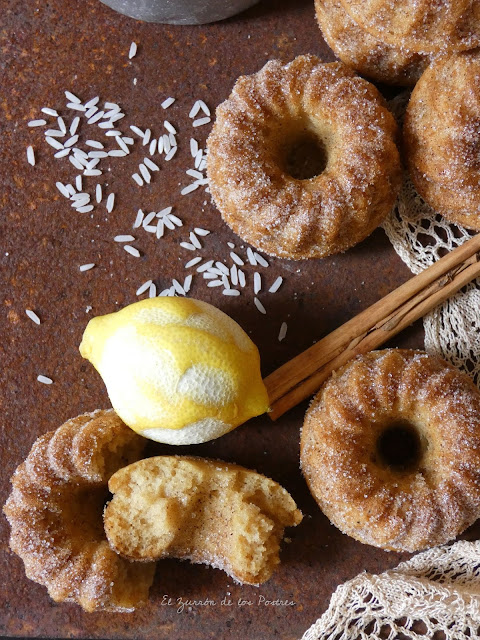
(420,25)
(364,53)
(442,137)
(390,449)
(55,513)
(302,160)
(206,511)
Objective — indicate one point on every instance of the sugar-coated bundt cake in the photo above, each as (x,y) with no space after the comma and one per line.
(390,449)
(302,160)
(442,137)
(206,511)
(365,53)
(420,25)
(55,513)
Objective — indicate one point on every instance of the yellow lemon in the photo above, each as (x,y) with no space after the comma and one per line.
(177,370)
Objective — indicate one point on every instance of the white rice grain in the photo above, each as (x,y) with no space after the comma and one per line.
(205,266)
(137,179)
(37,123)
(176,221)
(151,165)
(145,173)
(92,102)
(61,187)
(152,291)
(136,130)
(170,154)
(75,106)
(153,147)
(257,282)
(143,288)
(215,283)
(236,258)
(178,287)
(133,50)
(124,238)
(234,275)
(132,250)
(138,219)
(86,209)
(74,125)
(72,97)
(76,163)
(251,257)
(148,218)
(201,232)
(194,240)
(50,112)
(33,316)
(31,156)
(71,141)
(189,189)
(95,118)
(283,331)
(194,174)
(110,202)
(276,285)
(167,103)
(44,379)
(54,133)
(117,153)
(260,260)
(200,122)
(54,143)
(193,147)
(169,127)
(122,144)
(231,292)
(87,267)
(204,107)
(241,278)
(146,136)
(187,283)
(193,262)
(187,245)
(92,172)
(160,229)
(62,153)
(259,305)
(61,124)
(195,109)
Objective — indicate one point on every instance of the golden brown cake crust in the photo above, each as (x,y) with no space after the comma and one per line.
(363,52)
(426,26)
(206,511)
(432,496)
(256,127)
(442,137)
(55,513)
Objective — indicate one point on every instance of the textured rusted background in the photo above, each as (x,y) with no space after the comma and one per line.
(81,45)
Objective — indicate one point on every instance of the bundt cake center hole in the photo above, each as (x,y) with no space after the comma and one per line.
(399,446)
(306,157)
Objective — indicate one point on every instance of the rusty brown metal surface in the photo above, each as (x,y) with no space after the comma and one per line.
(82,46)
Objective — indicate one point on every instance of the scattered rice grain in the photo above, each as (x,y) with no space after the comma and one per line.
(283,331)
(143,288)
(110,202)
(189,188)
(132,250)
(276,285)
(138,219)
(31,156)
(87,267)
(44,379)
(167,103)
(151,165)
(37,123)
(200,122)
(33,316)
(257,282)
(259,305)
(133,50)
(193,262)
(137,179)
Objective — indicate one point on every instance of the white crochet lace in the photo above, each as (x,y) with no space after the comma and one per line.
(436,594)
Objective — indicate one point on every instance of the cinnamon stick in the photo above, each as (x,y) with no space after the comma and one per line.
(303,375)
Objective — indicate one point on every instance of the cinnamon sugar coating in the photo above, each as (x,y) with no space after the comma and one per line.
(442,137)
(435,494)
(55,513)
(365,53)
(420,25)
(206,511)
(265,116)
